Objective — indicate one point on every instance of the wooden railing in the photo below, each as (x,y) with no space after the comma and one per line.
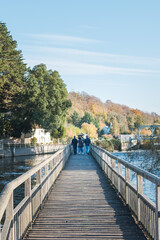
(15,221)
(146,211)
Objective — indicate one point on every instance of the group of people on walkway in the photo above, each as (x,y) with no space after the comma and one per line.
(80,142)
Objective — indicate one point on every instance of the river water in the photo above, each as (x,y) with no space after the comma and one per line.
(11,168)
(147,160)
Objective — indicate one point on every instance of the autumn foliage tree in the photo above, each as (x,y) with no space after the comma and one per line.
(124,120)
(90,129)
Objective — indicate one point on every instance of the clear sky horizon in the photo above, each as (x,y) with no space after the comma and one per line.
(109,49)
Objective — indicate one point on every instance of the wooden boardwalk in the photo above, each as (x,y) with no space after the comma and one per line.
(83,205)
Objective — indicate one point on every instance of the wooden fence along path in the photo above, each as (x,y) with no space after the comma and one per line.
(83,205)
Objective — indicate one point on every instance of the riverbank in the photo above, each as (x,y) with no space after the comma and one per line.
(44,149)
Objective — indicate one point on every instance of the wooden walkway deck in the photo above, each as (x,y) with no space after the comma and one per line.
(83,205)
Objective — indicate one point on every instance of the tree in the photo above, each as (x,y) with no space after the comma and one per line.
(87,118)
(90,129)
(114,127)
(138,121)
(95,121)
(43,103)
(76,119)
(46,101)
(130,120)
(123,124)
(12,79)
(12,70)
(72,131)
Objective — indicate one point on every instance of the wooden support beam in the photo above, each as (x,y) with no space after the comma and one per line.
(139,192)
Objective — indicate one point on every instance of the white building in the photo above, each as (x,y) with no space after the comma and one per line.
(40,134)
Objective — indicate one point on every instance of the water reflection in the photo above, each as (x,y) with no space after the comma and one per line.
(147,160)
(11,168)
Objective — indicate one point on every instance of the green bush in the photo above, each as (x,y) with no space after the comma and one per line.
(116,143)
(149,145)
(33,140)
(109,144)
(97,142)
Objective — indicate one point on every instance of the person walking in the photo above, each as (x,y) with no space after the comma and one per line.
(74,144)
(87,142)
(80,145)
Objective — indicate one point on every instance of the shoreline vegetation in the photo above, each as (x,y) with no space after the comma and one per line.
(109,144)
(112,145)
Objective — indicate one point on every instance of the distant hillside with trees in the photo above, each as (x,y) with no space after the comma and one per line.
(89,114)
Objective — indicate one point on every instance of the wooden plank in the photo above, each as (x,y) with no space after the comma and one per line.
(83,205)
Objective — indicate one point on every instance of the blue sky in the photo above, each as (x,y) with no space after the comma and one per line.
(109,49)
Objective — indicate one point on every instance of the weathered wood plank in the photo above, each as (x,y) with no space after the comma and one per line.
(83,205)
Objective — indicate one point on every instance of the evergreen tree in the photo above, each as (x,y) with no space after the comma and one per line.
(76,119)
(96,122)
(87,118)
(12,70)
(12,79)
(45,102)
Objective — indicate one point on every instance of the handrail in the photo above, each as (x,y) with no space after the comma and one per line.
(145,210)
(153,178)
(8,189)
(33,199)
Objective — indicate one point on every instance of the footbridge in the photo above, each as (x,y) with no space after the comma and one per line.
(80,197)
(150,127)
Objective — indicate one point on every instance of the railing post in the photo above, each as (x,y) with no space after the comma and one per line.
(119,176)
(113,168)
(39,181)
(157,224)
(127,178)
(9,216)
(109,160)
(64,158)
(106,164)
(46,169)
(28,194)
(102,159)
(99,157)
(139,191)
(51,165)
(46,175)
(113,163)
(109,168)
